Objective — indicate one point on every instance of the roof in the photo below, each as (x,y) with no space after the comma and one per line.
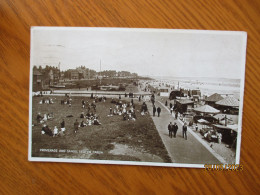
(203,121)
(214,98)
(185,101)
(232,127)
(206,109)
(37,72)
(228,101)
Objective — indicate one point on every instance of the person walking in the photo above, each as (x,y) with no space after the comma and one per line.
(159,111)
(175,129)
(170,129)
(184,131)
(196,127)
(171,109)
(176,115)
(154,110)
(166,103)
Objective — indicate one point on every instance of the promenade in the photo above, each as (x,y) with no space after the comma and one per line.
(190,151)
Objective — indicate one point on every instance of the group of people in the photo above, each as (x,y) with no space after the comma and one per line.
(173,128)
(42,119)
(46,101)
(127,110)
(92,121)
(55,132)
(98,98)
(89,106)
(158,110)
(67,101)
(89,119)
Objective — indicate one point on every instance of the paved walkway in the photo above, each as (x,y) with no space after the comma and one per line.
(190,151)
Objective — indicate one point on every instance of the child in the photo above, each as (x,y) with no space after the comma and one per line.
(43,129)
(55,131)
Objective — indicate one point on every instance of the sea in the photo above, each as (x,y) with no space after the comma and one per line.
(207,86)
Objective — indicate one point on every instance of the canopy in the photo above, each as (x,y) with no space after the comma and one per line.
(233,127)
(230,127)
(228,101)
(203,121)
(230,118)
(206,109)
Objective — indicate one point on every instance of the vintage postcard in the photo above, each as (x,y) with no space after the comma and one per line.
(157,97)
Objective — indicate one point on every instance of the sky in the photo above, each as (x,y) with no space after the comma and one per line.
(150,52)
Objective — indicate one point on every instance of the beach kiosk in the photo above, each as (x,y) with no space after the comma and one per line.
(229,133)
(206,109)
(163,91)
(183,105)
(228,105)
(211,100)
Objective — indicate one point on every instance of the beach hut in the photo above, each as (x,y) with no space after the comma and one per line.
(211,100)
(195,92)
(183,105)
(228,105)
(164,91)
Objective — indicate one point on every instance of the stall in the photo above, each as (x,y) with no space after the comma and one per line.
(228,105)
(229,133)
(206,109)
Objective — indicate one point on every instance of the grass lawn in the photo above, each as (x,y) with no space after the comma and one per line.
(115,139)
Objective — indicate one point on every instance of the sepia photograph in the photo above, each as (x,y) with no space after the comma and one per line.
(156,97)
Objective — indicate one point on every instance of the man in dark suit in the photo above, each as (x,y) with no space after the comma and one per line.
(175,129)
(184,131)
(159,111)
(170,129)
(154,110)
